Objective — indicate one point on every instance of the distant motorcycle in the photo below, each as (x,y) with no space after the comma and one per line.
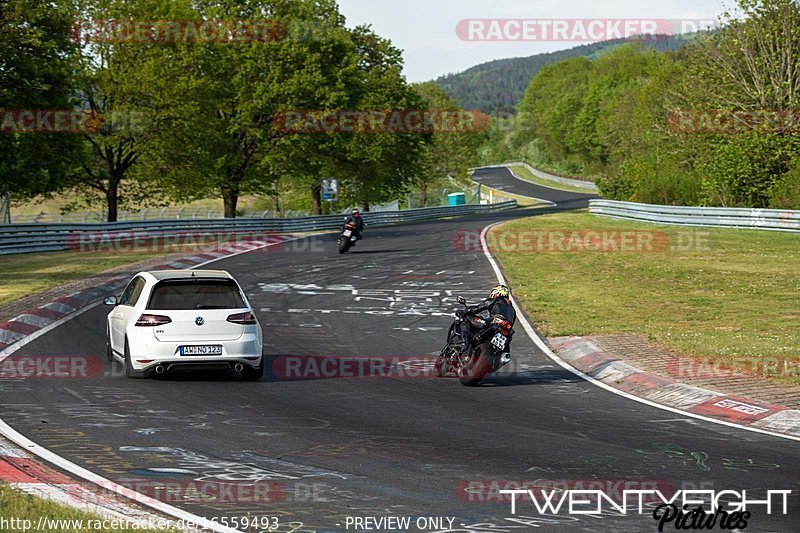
(485,352)
(348,238)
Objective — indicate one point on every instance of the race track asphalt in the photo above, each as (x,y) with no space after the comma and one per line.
(404,445)
(502,179)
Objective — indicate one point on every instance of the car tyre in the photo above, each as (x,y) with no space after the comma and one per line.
(130,373)
(253,374)
(109,351)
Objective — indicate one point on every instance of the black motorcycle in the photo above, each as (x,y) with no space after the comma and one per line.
(485,352)
(347,238)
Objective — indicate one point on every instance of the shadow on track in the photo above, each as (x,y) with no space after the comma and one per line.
(380,251)
(531,377)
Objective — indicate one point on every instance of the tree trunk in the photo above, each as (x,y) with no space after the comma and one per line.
(112,199)
(316,198)
(423,194)
(230,197)
(276,203)
(365,206)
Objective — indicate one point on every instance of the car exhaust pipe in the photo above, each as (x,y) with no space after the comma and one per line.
(160,369)
(238,367)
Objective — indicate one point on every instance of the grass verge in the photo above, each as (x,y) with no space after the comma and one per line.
(527,175)
(24,510)
(25,274)
(719,293)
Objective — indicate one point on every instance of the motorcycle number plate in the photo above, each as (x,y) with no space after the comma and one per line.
(499,340)
(347,233)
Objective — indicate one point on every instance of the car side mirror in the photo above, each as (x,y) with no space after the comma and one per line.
(110,300)
(461,300)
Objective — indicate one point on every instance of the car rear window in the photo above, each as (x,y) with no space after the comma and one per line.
(196,294)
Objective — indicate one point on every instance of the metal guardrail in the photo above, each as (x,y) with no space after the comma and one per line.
(723,217)
(22,238)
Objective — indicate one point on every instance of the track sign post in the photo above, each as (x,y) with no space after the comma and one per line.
(330,190)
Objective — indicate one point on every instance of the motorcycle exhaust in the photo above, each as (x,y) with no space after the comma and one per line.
(505,358)
(160,369)
(238,367)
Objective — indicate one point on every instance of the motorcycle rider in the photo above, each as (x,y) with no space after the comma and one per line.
(355,219)
(498,303)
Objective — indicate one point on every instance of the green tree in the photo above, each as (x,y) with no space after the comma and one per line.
(241,89)
(118,81)
(447,153)
(750,65)
(377,166)
(36,57)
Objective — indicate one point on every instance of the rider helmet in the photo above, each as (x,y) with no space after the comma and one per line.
(356,213)
(500,291)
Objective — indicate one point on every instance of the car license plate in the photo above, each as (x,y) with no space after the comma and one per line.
(499,340)
(201,350)
(347,233)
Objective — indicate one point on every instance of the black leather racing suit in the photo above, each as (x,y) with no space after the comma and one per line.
(358,222)
(495,306)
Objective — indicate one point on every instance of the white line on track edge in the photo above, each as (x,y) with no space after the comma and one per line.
(549,353)
(55,459)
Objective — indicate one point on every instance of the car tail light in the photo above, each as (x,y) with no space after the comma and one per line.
(245,319)
(153,320)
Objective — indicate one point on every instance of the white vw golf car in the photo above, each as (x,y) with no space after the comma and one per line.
(177,319)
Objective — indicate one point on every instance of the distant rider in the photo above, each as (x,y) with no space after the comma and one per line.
(498,303)
(355,219)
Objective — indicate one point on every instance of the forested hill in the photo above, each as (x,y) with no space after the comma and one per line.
(498,86)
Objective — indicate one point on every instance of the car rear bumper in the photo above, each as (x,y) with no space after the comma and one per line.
(149,353)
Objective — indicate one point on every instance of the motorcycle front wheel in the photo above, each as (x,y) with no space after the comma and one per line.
(442,366)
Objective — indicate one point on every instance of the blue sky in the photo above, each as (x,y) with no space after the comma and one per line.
(426,29)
